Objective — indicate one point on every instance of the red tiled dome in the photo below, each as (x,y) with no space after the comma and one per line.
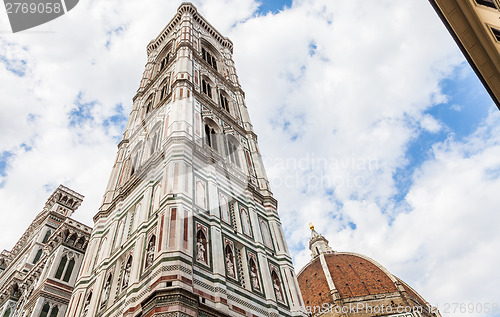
(353,275)
(356,276)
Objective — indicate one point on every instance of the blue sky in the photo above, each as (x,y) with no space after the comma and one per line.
(409,134)
(467,104)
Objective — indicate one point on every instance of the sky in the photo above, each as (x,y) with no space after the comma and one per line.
(371,124)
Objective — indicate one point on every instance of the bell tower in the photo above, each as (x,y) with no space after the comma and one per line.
(188,224)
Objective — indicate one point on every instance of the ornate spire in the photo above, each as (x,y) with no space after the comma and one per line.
(318,244)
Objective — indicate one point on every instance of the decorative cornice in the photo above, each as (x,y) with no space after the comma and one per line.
(187,7)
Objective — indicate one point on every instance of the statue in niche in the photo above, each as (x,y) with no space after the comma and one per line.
(229,264)
(200,251)
(201,247)
(86,306)
(126,276)
(150,254)
(107,289)
(254,276)
(277,287)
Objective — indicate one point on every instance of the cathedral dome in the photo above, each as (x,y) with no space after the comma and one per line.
(340,278)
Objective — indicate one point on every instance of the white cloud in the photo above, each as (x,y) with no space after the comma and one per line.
(340,86)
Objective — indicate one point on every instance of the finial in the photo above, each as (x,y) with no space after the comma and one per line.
(311,226)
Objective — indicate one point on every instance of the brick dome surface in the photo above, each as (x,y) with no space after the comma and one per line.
(353,276)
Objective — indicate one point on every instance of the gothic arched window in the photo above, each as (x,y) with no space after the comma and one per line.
(150,251)
(149,104)
(55,311)
(164,88)
(45,310)
(60,268)
(224,103)
(37,256)
(211,136)
(65,267)
(232,145)
(79,244)
(69,270)
(47,235)
(206,88)
(72,239)
(207,57)
(7,312)
(164,61)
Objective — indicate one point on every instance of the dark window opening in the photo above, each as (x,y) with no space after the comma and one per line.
(487,3)
(164,90)
(205,87)
(233,153)
(164,62)
(210,137)
(69,270)
(496,33)
(61,267)
(45,310)
(223,102)
(134,165)
(207,135)
(37,256)
(47,235)
(54,312)
(207,57)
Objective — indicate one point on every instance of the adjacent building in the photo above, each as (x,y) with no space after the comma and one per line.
(37,276)
(188,225)
(475,26)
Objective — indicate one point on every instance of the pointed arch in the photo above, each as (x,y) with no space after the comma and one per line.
(212,131)
(254,274)
(60,268)
(47,235)
(150,251)
(277,285)
(229,259)
(79,244)
(245,222)
(201,193)
(45,310)
(37,256)
(72,239)
(107,289)
(156,197)
(86,305)
(126,272)
(55,311)
(233,146)
(266,235)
